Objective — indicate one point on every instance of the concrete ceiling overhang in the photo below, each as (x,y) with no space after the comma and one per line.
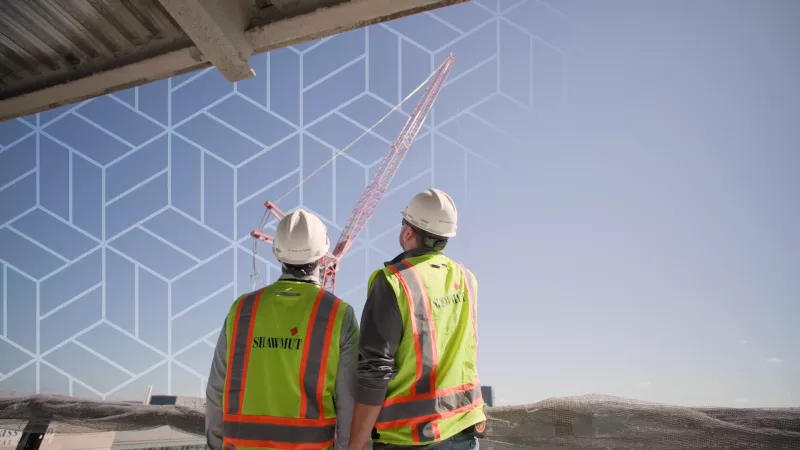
(56,52)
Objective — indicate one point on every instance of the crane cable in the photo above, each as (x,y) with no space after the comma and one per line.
(369,130)
(254,276)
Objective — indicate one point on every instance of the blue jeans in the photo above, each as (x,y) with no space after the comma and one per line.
(457,442)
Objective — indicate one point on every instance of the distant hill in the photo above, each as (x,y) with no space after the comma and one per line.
(584,422)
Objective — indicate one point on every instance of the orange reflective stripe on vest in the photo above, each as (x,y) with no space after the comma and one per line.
(422,408)
(425,405)
(240,352)
(265,431)
(315,352)
(311,430)
(424,331)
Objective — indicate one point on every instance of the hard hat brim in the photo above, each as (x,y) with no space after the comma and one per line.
(412,222)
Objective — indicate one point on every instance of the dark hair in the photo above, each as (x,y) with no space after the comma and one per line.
(300,270)
(427,240)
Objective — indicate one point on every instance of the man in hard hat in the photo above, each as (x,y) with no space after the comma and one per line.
(417,377)
(283,372)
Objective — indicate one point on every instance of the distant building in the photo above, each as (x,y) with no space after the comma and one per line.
(161,438)
(179,400)
(488,395)
(50,440)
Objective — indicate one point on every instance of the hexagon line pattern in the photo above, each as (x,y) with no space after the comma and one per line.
(125,219)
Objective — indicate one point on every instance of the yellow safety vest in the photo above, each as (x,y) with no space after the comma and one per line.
(436,392)
(282,359)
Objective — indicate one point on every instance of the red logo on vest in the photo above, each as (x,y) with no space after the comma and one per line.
(293,331)
(457,286)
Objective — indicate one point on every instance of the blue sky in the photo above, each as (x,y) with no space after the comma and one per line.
(626,174)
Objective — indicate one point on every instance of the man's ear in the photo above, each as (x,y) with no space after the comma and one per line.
(409,233)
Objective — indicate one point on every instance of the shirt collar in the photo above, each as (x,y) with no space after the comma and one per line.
(420,251)
(306,279)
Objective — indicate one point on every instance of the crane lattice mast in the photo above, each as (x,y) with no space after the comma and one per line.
(372,195)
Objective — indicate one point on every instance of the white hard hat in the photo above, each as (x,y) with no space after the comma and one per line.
(301,238)
(433,211)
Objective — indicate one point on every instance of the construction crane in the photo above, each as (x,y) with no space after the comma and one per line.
(372,195)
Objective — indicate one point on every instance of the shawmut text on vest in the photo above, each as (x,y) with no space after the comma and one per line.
(282,343)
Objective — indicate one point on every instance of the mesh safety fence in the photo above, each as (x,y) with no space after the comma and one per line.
(583,422)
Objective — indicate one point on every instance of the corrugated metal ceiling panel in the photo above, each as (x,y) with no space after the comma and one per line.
(56,52)
(42,40)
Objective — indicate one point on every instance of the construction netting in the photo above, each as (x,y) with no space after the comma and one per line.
(583,422)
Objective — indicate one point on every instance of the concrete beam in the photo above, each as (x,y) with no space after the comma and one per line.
(287,8)
(285,4)
(294,30)
(210,24)
(336,19)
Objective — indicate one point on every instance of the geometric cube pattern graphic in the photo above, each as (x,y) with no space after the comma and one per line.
(125,219)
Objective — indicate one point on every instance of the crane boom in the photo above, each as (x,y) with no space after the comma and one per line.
(372,195)
(380,182)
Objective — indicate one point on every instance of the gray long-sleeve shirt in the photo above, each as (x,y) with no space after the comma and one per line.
(381,332)
(345,380)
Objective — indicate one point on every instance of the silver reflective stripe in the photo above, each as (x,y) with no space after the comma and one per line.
(316,348)
(472,298)
(279,433)
(425,407)
(239,350)
(418,296)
